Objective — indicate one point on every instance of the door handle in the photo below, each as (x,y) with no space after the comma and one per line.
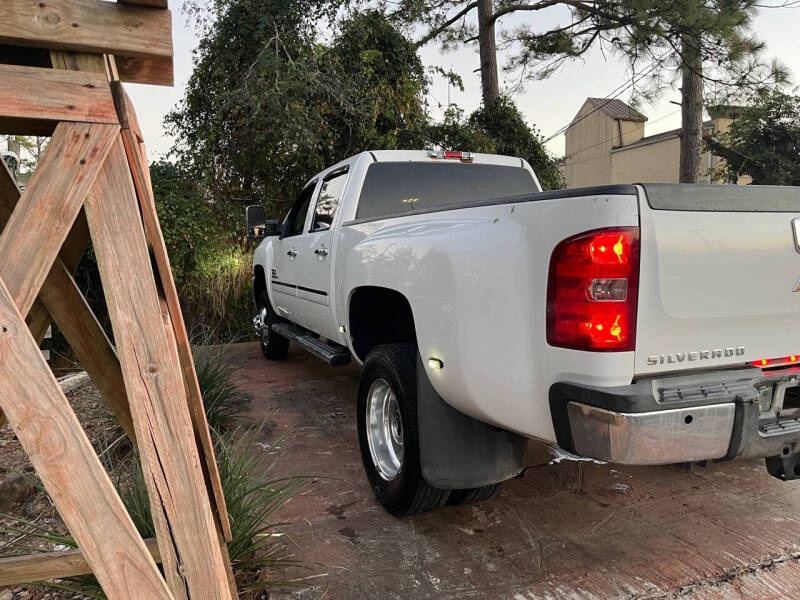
(321,252)
(292,253)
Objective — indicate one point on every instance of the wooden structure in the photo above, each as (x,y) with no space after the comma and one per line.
(62,64)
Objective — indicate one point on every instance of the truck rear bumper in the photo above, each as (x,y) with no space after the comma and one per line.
(657,437)
(717,415)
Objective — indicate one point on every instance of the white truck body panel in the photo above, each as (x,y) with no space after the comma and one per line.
(476,280)
(745,266)
(473,279)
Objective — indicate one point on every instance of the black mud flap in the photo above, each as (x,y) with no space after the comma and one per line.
(784,466)
(457,451)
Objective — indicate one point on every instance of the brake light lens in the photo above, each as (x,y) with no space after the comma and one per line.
(593,289)
(777,362)
(451,155)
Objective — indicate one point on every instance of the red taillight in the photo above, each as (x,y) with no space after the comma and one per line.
(777,362)
(465,157)
(592,291)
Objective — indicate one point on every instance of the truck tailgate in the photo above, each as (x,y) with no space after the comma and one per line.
(719,276)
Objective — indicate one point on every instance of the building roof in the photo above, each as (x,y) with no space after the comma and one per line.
(617,109)
(658,137)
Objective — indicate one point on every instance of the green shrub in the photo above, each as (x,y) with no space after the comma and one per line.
(246,466)
(215,369)
(218,297)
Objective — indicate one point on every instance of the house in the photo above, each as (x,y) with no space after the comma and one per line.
(606,143)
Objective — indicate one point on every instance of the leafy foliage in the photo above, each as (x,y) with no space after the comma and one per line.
(268,105)
(711,38)
(764,142)
(190,224)
(498,129)
(388,77)
(252,123)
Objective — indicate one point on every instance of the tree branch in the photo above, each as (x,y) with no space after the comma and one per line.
(437,30)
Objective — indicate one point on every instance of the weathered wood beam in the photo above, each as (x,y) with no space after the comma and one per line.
(33,99)
(65,461)
(137,159)
(61,298)
(37,229)
(176,331)
(79,61)
(173,348)
(74,248)
(87,26)
(76,321)
(153,71)
(170,458)
(38,318)
(31,568)
(125,112)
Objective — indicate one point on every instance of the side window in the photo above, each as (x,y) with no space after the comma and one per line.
(297,215)
(330,195)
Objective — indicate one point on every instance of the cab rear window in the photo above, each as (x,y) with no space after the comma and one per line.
(394,188)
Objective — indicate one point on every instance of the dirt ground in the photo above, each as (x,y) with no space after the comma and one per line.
(570,530)
(37,512)
(562,530)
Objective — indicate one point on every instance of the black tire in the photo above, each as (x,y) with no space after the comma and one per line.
(407,493)
(274,347)
(472,495)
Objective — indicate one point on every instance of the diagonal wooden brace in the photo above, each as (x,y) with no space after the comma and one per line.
(61,298)
(49,206)
(68,466)
(156,393)
(137,160)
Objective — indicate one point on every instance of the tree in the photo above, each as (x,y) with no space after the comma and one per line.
(764,143)
(459,22)
(389,79)
(268,105)
(704,43)
(500,129)
(252,124)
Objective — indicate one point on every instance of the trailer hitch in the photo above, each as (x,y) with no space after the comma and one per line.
(785,466)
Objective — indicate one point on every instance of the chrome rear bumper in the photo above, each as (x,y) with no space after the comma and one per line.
(656,437)
(710,415)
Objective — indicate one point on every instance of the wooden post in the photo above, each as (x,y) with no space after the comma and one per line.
(94,183)
(68,466)
(158,399)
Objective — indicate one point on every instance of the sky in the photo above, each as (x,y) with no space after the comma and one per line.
(548,105)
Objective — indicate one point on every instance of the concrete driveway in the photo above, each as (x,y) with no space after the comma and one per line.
(565,530)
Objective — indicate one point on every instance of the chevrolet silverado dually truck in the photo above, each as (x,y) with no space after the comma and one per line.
(635,324)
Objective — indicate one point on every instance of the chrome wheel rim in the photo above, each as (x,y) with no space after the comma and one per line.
(384,429)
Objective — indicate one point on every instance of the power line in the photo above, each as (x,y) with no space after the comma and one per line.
(612,139)
(612,96)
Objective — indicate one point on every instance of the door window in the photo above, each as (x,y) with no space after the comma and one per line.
(328,202)
(297,215)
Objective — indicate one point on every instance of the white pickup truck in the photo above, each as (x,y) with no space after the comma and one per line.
(637,324)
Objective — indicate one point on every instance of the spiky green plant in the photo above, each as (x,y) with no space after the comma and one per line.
(246,468)
(215,366)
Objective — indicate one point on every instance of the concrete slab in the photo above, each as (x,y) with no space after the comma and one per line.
(560,531)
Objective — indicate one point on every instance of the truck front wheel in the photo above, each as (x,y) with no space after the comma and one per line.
(274,346)
(387,431)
